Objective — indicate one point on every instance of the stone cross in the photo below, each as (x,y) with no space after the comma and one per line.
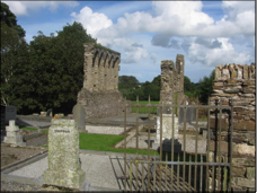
(79,115)
(64,167)
(13,135)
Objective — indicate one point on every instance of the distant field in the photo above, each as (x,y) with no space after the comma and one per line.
(141,107)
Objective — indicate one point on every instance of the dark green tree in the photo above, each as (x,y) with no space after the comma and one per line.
(58,67)
(204,88)
(14,59)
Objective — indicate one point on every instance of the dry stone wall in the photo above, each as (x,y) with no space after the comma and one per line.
(100,96)
(238,82)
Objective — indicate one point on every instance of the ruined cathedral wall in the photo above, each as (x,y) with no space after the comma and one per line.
(99,95)
(238,82)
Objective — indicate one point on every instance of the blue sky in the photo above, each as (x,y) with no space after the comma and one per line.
(207,33)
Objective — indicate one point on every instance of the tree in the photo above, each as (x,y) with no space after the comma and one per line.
(204,88)
(13,57)
(58,67)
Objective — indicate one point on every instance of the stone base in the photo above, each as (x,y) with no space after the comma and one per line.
(99,104)
(73,180)
(14,143)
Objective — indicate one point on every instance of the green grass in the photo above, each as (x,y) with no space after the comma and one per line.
(144,109)
(29,128)
(102,142)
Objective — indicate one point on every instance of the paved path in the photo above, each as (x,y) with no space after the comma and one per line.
(102,171)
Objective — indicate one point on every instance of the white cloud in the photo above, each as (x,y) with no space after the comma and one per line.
(27,7)
(92,21)
(222,54)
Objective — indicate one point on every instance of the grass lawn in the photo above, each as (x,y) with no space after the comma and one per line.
(144,108)
(102,142)
(29,128)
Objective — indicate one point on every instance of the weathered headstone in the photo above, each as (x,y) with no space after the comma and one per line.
(10,113)
(78,112)
(190,115)
(64,167)
(13,135)
(168,127)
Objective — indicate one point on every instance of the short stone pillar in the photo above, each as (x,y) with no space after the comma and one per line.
(166,127)
(79,116)
(13,135)
(64,167)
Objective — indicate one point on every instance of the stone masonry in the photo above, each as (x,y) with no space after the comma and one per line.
(172,93)
(238,82)
(100,96)
(172,81)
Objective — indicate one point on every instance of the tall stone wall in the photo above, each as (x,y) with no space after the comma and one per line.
(99,95)
(238,82)
(172,81)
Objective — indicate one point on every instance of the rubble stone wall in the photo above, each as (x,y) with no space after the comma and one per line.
(100,96)
(238,82)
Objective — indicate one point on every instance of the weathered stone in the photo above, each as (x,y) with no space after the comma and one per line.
(100,96)
(79,116)
(13,135)
(238,171)
(64,168)
(232,90)
(250,183)
(244,150)
(167,131)
(250,172)
(246,161)
(245,125)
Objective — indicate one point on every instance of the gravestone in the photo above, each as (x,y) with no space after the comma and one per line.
(190,115)
(167,130)
(64,167)
(78,112)
(13,135)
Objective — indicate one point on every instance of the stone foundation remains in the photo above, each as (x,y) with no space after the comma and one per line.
(238,82)
(100,96)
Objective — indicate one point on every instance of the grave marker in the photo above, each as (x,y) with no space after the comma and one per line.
(64,167)
(78,112)
(13,135)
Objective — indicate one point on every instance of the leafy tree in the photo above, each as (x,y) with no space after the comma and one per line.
(129,86)
(58,67)
(13,57)
(204,88)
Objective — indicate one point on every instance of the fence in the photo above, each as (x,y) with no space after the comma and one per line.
(189,152)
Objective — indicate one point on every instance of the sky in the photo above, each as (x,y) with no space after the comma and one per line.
(207,33)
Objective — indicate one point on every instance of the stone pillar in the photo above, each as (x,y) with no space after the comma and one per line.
(79,116)
(13,135)
(166,93)
(116,72)
(88,63)
(64,167)
(101,72)
(95,72)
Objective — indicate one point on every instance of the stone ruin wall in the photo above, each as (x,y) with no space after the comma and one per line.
(172,81)
(238,82)
(99,95)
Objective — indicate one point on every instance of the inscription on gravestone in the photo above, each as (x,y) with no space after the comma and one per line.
(64,168)
(78,112)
